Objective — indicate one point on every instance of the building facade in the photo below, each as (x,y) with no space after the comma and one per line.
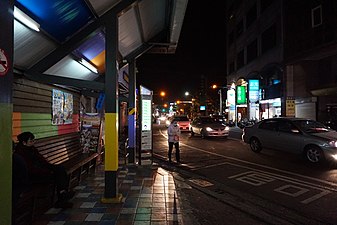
(287,48)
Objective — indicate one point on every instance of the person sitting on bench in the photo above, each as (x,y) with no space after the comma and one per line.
(40,171)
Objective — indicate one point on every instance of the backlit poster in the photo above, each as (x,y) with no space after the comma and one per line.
(62,107)
(241,95)
(253,90)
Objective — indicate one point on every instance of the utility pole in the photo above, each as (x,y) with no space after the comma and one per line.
(220,94)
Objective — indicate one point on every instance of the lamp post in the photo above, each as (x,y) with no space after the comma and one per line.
(220,94)
(214,86)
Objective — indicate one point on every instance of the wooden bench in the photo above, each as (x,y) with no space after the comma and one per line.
(65,150)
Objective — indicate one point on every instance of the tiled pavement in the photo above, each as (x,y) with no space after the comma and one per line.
(149,198)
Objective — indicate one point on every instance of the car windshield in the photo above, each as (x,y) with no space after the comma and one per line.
(219,118)
(180,118)
(210,120)
(311,126)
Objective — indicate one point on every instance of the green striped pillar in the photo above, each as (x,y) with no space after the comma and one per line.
(6,109)
(111,194)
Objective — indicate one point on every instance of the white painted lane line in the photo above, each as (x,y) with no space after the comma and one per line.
(285,178)
(315,197)
(263,166)
(294,189)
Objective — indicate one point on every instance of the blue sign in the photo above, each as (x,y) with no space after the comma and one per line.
(254,85)
(253,90)
(100,101)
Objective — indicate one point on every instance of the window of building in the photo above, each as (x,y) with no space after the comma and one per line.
(316,16)
(231,68)
(239,28)
(265,4)
(240,60)
(251,16)
(252,51)
(268,38)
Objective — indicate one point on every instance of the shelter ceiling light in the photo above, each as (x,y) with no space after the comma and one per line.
(88,65)
(25,19)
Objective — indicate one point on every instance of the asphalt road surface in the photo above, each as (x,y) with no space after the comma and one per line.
(266,188)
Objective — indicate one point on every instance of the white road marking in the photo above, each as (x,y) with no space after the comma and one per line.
(285,189)
(263,166)
(295,189)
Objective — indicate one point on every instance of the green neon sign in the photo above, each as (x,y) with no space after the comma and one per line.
(241,95)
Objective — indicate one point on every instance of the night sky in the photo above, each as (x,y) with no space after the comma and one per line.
(200,51)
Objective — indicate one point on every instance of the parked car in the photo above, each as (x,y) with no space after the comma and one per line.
(220,118)
(182,120)
(332,124)
(208,127)
(314,140)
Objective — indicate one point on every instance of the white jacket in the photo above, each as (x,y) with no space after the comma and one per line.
(173,131)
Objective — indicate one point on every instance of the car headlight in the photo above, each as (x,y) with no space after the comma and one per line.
(333,144)
(226,128)
(209,129)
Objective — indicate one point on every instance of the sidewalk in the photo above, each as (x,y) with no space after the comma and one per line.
(149,198)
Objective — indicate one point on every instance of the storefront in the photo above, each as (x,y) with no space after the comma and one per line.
(241,100)
(270,108)
(253,99)
(230,104)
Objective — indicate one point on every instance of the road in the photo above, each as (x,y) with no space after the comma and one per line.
(270,184)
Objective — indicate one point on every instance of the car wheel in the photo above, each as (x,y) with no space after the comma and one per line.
(314,154)
(192,133)
(203,135)
(255,145)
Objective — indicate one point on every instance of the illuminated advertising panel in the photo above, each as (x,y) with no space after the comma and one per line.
(253,90)
(231,97)
(241,95)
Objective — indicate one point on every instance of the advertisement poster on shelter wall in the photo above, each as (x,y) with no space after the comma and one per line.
(62,107)
(90,132)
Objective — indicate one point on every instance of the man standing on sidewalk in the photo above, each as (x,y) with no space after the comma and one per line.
(173,132)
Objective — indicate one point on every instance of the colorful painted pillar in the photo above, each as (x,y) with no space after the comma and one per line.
(132,112)
(111,194)
(6,109)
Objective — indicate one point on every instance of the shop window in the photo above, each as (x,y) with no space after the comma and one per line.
(239,28)
(240,59)
(268,39)
(316,16)
(251,16)
(252,51)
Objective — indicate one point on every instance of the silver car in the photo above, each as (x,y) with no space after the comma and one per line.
(208,127)
(314,140)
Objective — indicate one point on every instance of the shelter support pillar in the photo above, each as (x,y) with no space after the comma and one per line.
(6,109)
(132,112)
(111,194)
